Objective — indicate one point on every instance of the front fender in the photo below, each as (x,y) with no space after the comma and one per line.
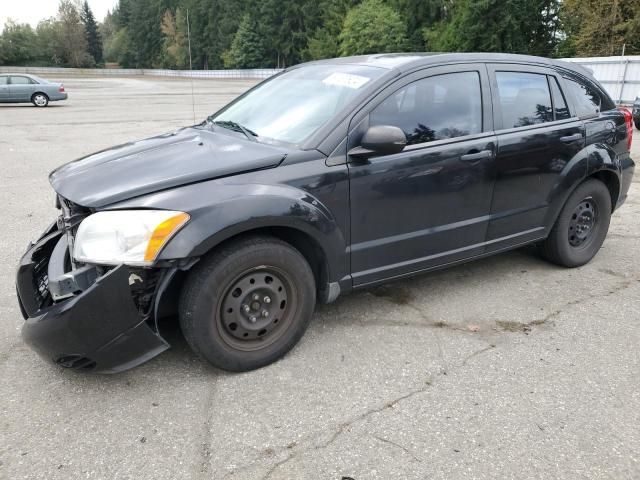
(220,211)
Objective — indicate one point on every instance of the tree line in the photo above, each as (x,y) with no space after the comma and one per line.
(279,33)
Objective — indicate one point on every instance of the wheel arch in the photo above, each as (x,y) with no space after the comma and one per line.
(595,161)
(302,241)
(611,181)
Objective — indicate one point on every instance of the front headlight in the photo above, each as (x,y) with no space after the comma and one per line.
(134,237)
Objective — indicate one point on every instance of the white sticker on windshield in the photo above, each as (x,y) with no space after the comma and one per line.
(348,80)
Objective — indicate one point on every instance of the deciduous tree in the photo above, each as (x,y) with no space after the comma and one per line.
(176,41)
(601,27)
(18,44)
(372,27)
(72,38)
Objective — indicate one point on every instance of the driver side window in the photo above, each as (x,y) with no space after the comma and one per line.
(434,108)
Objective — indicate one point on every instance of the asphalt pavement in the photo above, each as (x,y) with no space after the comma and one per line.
(508,367)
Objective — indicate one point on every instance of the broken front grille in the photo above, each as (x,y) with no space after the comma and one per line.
(69,220)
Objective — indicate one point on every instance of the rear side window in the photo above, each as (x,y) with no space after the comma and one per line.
(434,108)
(560,109)
(524,99)
(20,81)
(4,80)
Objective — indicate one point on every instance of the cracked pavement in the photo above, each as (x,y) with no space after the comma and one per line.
(508,367)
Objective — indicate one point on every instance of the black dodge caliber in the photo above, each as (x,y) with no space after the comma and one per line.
(331,176)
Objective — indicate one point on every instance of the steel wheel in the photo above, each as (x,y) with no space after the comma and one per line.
(247,303)
(256,308)
(583,219)
(581,226)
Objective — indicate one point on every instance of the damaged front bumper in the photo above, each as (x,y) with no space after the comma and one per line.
(99,328)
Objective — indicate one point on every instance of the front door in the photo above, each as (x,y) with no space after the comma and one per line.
(538,139)
(429,204)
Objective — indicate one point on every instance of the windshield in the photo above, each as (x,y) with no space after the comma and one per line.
(295,104)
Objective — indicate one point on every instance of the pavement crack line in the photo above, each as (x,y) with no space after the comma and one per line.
(401,447)
(204,471)
(342,427)
(476,353)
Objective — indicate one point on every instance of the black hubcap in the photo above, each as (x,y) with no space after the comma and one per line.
(256,308)
(582,222)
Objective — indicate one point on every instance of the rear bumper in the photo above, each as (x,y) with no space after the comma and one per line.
(99,329)
(57,96)
(627,167)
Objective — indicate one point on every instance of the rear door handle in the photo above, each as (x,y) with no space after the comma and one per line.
(473,157)
(571,138)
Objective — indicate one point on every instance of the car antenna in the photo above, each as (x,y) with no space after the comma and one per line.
(193,100)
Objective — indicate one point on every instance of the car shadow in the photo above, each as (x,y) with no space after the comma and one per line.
(180,358)
(7,106)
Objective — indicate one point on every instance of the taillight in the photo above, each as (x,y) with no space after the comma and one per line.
(61,89)
(628,119)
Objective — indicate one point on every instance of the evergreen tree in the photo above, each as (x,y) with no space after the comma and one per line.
(247,48)
(323,43)
(223,18)
(419,14)
(372,27)
(286,27)
(94,40)
(511,26)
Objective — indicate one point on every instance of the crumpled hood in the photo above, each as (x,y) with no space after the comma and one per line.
(182,157)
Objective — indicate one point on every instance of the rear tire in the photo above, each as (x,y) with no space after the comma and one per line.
(637,125)
(40,99)
(581,226)
(248,303)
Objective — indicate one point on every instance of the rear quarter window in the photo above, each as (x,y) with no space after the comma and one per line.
(588,99)
(21,81)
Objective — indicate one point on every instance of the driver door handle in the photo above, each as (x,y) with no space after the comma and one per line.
(473,157)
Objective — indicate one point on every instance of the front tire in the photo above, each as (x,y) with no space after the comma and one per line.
(248,303)
(581,226)
(40,99)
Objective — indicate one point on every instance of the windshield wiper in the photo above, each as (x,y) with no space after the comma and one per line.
(236,127)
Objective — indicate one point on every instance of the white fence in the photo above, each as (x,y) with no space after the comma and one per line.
(620,76)
(258,73)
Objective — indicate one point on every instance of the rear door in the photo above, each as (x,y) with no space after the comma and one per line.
(537,138)
(21,88)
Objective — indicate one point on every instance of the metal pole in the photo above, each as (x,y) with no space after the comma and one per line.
(624,73)
(193,100)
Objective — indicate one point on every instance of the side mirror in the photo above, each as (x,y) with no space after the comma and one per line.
(380,140)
